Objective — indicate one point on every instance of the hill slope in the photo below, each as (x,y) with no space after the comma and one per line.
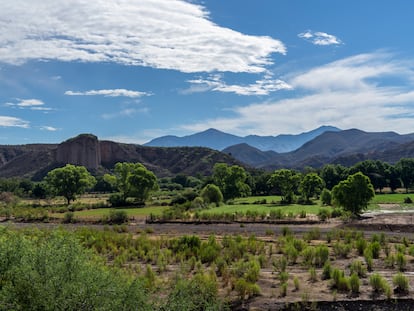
(34,161)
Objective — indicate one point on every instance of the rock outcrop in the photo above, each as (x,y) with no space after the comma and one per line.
(81,150)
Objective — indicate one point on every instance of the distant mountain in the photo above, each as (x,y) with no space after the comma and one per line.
(346,147)
(34,161)
(218,140)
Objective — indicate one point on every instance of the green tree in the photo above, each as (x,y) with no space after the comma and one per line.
(133,180)
(287,181)
(405,168)
(212,194)
(311,185)
(231,180)
(354,193)
(374,170)
(69,181)
(332,174)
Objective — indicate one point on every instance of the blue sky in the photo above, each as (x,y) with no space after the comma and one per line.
(133,70)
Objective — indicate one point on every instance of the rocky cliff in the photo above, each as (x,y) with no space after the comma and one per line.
(82,150)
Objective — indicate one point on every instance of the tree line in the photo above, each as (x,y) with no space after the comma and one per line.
(132,182)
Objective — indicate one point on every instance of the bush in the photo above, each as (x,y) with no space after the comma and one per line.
(358,268)
(401,261)
(378,283)
(326,271)
(69,218)
(408,200)
(116,200)
(400,281)
(354,283)
(245,289)
(117,217)
(375,249)
(199,293)
(324,213)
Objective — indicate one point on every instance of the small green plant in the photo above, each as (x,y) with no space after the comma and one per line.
(296,283)
(358,268)
(117,216)
(69,218)
(400,261)
(378,283)
(326,271)
(354,283)
(401,285)
(283,289)
(313,277)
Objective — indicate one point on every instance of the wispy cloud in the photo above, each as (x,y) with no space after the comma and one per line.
(127,112)
(6,121)
(367,91)
(32,104)
(320,38)
(264,86)
(167,34)
(109,93)
(49,128)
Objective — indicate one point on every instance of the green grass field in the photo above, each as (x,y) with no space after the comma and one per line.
(244,205)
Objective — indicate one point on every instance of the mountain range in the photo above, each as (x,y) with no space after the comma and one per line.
(218,140)
(332,145)
(345,147)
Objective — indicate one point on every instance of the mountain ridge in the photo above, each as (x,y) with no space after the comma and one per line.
(218,140)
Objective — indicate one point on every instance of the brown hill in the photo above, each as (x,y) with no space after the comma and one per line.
(34,161)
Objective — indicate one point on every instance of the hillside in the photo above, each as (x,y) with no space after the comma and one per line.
(345,147)
(34,161)
(218,140)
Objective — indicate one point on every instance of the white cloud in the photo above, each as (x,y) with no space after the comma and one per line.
(167,34)
(6,121)
(32,104)
(49,128)
(372,92)
(320,38)
(215,83)
(109,93)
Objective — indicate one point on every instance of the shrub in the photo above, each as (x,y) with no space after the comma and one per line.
(312,275)
(116,200)
(283,289)
(326,271)
(117,216)
(341,249)
(375,249)
(321,255)
(358,268)
(324,213)
(199,293)
(408,200)
(361,244)
(296,283)
(69,218)
(354,283)
(378,283)
(401,261)
(400,282)
(246,289)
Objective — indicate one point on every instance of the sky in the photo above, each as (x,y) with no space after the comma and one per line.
(133,70)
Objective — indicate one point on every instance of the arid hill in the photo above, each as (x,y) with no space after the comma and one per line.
(35,160)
